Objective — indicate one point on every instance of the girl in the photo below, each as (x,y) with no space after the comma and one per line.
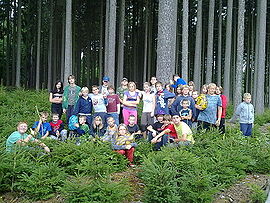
(148,108)
(56,98)
(219,91)
(131,100)
(191,87)
(125,143)
(111,130)
(97,129)
(179,90)
(162,96)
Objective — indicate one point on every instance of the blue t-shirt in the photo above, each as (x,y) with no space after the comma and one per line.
(44,128)
(209,114)
(13,138)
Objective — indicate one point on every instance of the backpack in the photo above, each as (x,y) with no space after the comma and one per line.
(72,120)
(202,101)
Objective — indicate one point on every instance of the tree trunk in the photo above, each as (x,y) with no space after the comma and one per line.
(63,49)
(219,62)
(101,39)
(167,21)
(121,39)
(211,19)
(240,53)
(228,51)
(185,41)
(68,41)
(19,39)
(146,41)
(8,47)
(198,47)
(261,57)
(49,84)
(38,46)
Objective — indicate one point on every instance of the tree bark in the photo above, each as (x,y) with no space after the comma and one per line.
(49,84)
(240,53)
(38,46)
(228,51)
(167,21)
(219,62)
(185,41)
(211,19)
(19,39)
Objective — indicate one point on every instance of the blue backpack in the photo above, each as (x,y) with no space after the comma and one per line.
(72,120)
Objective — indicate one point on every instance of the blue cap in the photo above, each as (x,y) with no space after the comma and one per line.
(106,78)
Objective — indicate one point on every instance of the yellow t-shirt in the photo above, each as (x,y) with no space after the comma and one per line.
(183,128)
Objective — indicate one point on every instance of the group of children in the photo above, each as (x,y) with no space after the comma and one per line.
(169,113)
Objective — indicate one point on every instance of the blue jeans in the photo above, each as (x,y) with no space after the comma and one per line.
(158,145)
(246,128)
(115,116)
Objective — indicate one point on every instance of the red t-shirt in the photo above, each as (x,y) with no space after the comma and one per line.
(56,126)
(224,105)
(173,133)
(113,100)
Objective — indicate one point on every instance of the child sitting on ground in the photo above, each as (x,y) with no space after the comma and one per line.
(111,130)
(125,143)
(186,113)
(58,132)
(78,127)
(97,129)
(41,128)
(134,128)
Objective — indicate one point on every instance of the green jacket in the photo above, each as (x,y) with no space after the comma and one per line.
(65,96)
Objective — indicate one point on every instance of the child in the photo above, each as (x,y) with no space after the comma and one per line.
(20,138)
(70,97)
(153,82)
(131,100)
(42,127)
(125,143)
(245,112)
(191,87)
(58,132)
(148,108)
(113,107)
(219,91)
(103,89)
(56,98)
(99,102)
(120,92)
(186,113)
(162,97)
(177,81)
(195,95)
(82,130)
(111,130)
(84,106)
(97,129)
(133,128)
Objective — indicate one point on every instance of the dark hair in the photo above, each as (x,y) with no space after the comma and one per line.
(54,87)
(71,77)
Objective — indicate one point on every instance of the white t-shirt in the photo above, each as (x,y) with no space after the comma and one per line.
(148,102)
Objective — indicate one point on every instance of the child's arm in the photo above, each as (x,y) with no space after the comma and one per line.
(154,140)
(54,100)
(219,116)
(118,108)
(189,115)
(46,135)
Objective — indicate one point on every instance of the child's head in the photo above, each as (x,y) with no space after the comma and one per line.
(167,119)
(191,85)
(122,129)
(131,86)
(124,82)
(159,86)
(185,103)
(105,80)
(71,79)
(159,118)
(95,89)
(153,80)
(211,89)
(85,91)
(44,116)
(82,120)
(55,117)
(111,89)
(111,121)
(22,127)
(185,90)
(204,89)
(247,97)
(146,87)
(168,87)
(176,119)
(131,120)
(219,90)
(195,94)
(97,122)
(179,90)
(58,85)
(175,77)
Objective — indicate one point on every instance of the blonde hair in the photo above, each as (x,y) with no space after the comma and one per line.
(131,83)
(94,124)
(167,117)
(83,117)
(246,95)
(44,113)
(122,125)
(211,85)
(21,122)
(184,86)
(84,89)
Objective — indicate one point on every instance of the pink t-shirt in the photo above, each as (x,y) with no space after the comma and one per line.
(224,105)
(113,100)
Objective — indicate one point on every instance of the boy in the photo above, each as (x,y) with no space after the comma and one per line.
(162,97)
(103,89)
(111,130)
(113,107)
(81,129)
(41,127)
(58,132)
(20,138)
(245,112)
(70,97)
(84,106)
(99,103)
(186,113)
(134,128)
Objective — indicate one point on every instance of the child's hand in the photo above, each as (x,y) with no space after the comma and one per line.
(128,146)
(76,125)
(57,133)
(64,110)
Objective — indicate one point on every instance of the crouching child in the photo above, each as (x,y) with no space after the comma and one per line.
(58,132)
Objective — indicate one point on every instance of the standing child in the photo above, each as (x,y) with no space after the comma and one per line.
(219,91)
(42,127)
(58,132)
(113,107)
(120,92)
(97,129)
(56,98)
(133,128)
(131,100)
(71,95)
(84,106)
(186,113)
(111,130)
(162,96)
(153,82)
(103,89)
(125,143)
(195,95)
(245,112)
(148,108)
